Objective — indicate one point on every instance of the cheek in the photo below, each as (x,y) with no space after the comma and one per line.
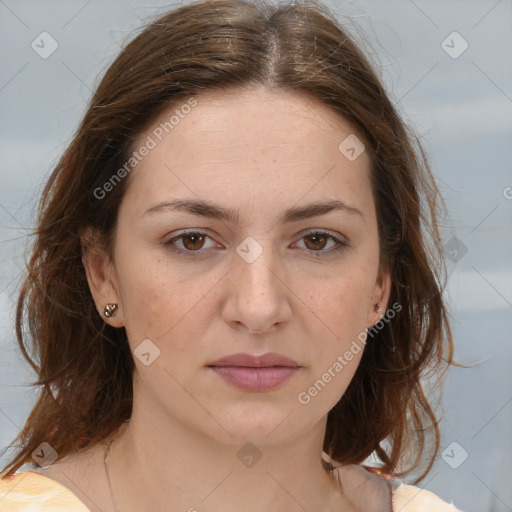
(343,302)
(339,341)
(161,305)
(342,307)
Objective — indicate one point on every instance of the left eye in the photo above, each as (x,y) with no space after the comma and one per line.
(318,240)
(194,242)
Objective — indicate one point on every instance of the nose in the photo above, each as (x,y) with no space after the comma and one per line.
(258,297)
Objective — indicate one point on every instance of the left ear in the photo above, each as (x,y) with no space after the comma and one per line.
(380,298)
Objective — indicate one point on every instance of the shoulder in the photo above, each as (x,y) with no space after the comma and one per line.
(371,492)
(408,498)
(20,492)
(365,490)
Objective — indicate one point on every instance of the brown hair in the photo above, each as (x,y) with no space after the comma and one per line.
(85,367)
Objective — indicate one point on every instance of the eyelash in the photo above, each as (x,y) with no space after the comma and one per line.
(340,244)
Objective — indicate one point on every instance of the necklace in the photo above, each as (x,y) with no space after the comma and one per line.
(107,453)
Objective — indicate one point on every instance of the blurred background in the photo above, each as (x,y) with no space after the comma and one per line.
(447,67)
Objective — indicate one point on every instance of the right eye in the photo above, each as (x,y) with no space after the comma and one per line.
(189,242)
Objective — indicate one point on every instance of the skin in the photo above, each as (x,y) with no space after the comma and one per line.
(259,153)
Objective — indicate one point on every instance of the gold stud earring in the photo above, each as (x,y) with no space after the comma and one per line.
(110,310)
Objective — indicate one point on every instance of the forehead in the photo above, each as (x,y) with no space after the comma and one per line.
(251,144)
(252,118)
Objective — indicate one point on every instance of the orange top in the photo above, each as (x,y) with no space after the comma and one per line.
(30,492)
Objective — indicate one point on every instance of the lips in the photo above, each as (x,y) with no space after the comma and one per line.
(255,373)
(250,361)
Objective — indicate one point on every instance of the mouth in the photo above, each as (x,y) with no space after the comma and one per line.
(255,373)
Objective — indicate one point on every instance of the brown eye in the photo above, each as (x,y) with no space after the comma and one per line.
(193,241)
(318,241)
(322,243)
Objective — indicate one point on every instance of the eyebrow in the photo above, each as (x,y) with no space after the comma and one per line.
(213,211)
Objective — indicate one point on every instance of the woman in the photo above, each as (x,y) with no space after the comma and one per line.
(235,285)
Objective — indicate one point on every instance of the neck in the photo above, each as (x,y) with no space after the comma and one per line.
(154,464)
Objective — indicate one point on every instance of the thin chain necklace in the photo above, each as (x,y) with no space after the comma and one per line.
(107,453)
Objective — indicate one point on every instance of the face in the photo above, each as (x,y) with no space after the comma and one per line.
(245,263)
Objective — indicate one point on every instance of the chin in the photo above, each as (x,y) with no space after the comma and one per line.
(260,424)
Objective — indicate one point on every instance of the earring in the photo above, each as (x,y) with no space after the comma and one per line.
(110,310)
(377,308)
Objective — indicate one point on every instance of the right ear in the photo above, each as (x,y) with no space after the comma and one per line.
(101,276)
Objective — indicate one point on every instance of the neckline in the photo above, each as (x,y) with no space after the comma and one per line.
(393,486)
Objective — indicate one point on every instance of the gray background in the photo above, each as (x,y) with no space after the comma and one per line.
(462,109)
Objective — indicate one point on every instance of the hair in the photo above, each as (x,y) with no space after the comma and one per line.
(85,367)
